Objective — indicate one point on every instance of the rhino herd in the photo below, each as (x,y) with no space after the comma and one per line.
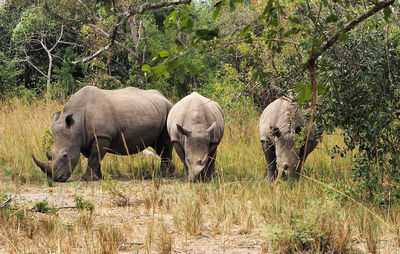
(126,121)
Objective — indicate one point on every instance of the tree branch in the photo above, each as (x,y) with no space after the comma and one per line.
(59,38)
(98,52)
(27,59)
(257,39)
(114,79)
(152,6)
(315,54)
(121,20)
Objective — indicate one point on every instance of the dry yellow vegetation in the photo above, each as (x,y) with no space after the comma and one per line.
(135,210)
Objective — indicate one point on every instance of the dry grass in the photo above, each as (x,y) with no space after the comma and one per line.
(236,212)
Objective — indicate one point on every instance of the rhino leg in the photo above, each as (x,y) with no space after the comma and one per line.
(93,171)
(209,172)
(163,148)
(270,156)
(181,153)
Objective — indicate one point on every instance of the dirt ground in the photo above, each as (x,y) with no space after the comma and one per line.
(134,219)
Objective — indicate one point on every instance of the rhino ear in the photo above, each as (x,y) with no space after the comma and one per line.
(183,131)
(69,120)
(56,116)
(213,132)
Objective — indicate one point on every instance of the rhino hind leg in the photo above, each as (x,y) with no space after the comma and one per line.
(164,148)
(270,156)
(93,171)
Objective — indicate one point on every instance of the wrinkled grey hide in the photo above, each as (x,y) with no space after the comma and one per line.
(95,122)
(196,127)
(279,122)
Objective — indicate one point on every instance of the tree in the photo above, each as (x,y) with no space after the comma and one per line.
(115,23)
(302,33)
(35,33)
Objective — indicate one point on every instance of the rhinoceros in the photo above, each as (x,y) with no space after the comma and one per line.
(196,126)
(282,128)
(95,122)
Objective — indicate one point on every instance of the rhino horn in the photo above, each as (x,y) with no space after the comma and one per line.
(44,166)
(49,155)
(212,127)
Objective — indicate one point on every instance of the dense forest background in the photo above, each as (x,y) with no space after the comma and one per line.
(241,53)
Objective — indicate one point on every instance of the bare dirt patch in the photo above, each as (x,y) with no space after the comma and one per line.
(138,223)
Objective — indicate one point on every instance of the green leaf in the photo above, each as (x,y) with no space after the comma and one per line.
(206,34)
(304,92)
(274,21)
(268,8)
(231,51)
(173,64)
(386,13)
(164,53)
(343,35)
(321,88)
(245,31)
(232,4)
(270,34)
(255,75)
(172,17)
(180,75)
(331,18)
(217,7)
(292,31)
(146,67)
(106,4)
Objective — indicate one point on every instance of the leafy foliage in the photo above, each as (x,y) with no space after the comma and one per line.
(83,205)
(43,207)
(362,100)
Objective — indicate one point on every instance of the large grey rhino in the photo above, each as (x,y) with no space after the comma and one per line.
(95,122)
(283,149)
(196,127)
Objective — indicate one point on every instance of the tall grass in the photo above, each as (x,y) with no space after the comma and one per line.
(238,210)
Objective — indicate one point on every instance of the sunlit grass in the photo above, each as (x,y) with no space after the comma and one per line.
(165,215)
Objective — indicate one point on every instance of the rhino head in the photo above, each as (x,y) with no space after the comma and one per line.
(197,146)
(66,148)
(289,155)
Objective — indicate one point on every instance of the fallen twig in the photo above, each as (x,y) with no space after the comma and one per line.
(9,199)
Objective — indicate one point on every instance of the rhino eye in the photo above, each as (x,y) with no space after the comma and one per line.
(275,132)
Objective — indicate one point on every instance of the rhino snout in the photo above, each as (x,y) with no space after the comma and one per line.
(61,176)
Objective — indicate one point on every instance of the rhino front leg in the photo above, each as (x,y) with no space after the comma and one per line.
(93,171)
(181,153)
(209,172)
(270,156)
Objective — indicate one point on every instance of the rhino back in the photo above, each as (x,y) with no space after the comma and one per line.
(281,113)
(132,116)
(195,110)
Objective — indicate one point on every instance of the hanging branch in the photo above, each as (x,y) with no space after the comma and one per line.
(331,41)
(311,62)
